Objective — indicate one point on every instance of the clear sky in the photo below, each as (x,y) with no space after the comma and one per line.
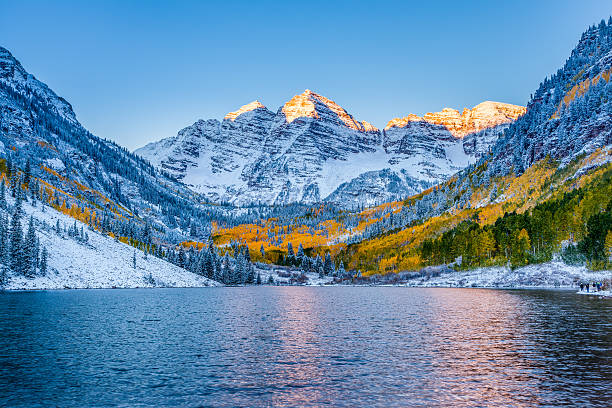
(140,71)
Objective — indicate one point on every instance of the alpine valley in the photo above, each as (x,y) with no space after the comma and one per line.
(310,195)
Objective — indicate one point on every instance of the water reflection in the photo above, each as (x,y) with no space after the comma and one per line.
(305,347)
(479,349)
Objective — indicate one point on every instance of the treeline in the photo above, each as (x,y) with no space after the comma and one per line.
(323,266)
(209,262)
(20,252)
(581,219)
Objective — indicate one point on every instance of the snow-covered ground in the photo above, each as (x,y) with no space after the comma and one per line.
(102,262)
(547,275)
(603,293)
(280,275)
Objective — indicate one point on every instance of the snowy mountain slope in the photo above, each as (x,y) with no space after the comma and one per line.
(312,146)
(101,262)
(39,129)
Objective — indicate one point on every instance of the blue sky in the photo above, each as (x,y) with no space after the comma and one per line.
(139,71)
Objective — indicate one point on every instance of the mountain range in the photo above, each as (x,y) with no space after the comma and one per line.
(313,150)
(494,185)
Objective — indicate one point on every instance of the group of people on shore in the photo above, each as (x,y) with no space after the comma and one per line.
(591,286)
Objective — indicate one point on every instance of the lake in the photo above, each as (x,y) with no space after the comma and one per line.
(305,346)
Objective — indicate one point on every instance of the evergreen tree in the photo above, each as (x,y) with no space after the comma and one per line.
(290,254)
(134,260)
(226,269)
(3,194)
(181,259)
(341,271)
(305,265)
(250,273)
(30,250)
(258,278)
(328,266)
(318,265)
(262,251)
(300,253)
(27,173)
(43,262)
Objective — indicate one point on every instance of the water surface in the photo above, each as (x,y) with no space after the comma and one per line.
(300,346)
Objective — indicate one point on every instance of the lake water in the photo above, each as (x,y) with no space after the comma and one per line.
(300,346)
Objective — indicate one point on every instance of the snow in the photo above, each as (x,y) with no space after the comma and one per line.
(547,275)
(601,293)
(276,271)
(55,164)
(102,262)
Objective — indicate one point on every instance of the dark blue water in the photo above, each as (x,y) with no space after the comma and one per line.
(298,346)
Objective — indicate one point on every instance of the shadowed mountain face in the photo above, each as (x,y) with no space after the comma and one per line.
(313,150)
(40,128)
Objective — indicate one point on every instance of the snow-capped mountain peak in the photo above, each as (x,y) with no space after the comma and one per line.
(243,109)
(312,147)
(484,115)
(312,105)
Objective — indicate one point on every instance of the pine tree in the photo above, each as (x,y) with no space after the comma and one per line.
(300,253)
(27,174)
(290,254)
(305,265)
(30,250)
(43,262)
(318,266)
(328,266)
(341,271)
(258,278)
(250,273)
(238,275)
(181,258)
(226,270)
(3,194)
(262,251)
(246,254)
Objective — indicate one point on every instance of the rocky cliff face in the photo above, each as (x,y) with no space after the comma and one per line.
(311,147)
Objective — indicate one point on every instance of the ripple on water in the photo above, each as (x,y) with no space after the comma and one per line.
(283,346)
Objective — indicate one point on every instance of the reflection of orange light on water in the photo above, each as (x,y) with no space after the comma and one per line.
(479,349)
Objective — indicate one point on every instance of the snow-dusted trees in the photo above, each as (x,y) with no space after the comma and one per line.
(30,251)
(328,265)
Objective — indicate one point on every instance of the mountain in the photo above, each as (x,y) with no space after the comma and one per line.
(39,129)
(313,150)
(52,168)
(539,192)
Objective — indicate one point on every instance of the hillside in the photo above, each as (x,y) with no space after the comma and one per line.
(47,156)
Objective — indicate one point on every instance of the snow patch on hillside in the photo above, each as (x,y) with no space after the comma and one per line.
(102,262)
(547,275)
